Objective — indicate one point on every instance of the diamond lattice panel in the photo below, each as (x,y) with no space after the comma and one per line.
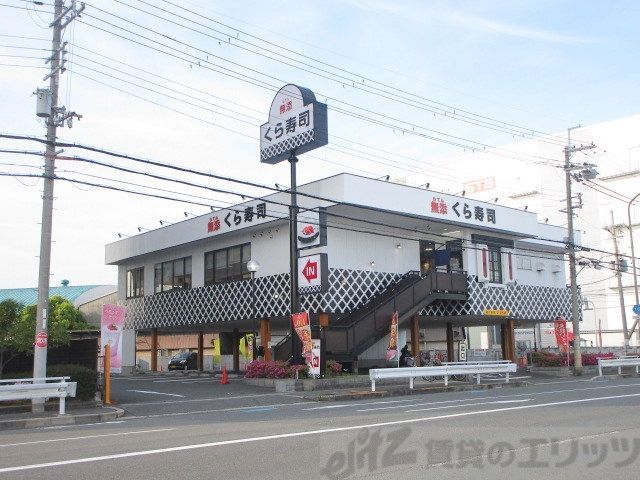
(288,145)
(215,303)
(531,302)
(348,290)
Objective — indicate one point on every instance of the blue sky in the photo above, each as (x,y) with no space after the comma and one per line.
(541,65)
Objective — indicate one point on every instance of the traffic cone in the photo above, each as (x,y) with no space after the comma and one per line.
(224,379)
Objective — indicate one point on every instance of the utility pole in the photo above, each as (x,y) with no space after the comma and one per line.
(614,236)
(587,173)
(633,265)
(56,116)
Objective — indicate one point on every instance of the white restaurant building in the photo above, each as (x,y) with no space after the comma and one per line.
(443,262)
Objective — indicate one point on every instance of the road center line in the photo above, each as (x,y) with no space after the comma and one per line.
(66,439)
(157,393)
(302,434)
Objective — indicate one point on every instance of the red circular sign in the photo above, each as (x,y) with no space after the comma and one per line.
(41,339)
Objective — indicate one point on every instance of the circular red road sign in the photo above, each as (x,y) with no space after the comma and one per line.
(41,339)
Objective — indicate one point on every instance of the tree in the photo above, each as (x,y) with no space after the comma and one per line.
(18,326)
(9,314)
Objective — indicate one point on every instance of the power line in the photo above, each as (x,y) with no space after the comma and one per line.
(263,84)
(255,185)
(358,82)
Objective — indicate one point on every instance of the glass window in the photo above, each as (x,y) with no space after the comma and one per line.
(172,274)
(167,276)
(246,256)
(135,283)
(157,278)
(220,266)
(187,273)
(235,263)
(227,264)
(495,265)
(208,269)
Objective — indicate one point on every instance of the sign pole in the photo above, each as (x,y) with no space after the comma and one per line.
(293,252)
(107,374)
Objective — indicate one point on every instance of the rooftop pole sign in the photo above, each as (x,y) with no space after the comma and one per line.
(297,124)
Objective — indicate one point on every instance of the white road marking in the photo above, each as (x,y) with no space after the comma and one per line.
(208,399)
(302,434)
(58,427)
(213,410)
(137,432)
(186,379)
(444,407)
(501,396)
(342,405)
(157,393)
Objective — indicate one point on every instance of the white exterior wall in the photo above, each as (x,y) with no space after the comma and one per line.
(356,251)
(269,246)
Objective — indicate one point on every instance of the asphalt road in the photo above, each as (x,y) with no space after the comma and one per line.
(568,429)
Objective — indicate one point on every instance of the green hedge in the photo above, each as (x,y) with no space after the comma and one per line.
(86,378)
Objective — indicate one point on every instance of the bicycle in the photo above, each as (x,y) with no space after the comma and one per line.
(426,361)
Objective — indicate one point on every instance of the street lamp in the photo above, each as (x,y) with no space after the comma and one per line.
(633,258)
(253,267)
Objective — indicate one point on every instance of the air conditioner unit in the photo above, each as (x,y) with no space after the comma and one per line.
(540,267)
(556,268)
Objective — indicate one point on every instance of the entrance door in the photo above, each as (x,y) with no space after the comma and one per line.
(427,255)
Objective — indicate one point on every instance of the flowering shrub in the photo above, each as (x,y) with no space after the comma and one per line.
(549,359)
(274,369)
(334,368)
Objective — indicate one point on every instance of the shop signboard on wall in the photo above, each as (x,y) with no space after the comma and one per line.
(111,334)
(312,228)
(313,274)
(297,123)
(496,312)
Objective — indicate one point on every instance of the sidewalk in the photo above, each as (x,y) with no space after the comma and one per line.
(74,416)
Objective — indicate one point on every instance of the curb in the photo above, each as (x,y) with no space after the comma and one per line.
(58,420)
(392,392)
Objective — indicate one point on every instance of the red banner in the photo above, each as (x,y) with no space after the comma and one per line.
(302,326)
(393,337)
(562,336)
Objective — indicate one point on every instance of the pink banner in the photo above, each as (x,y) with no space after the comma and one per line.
(111,334)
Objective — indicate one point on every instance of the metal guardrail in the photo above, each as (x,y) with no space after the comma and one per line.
(618,362)
(444,370)
(31,388)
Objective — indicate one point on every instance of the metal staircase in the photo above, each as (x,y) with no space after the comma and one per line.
(353,333)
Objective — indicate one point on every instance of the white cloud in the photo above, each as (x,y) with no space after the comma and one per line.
(468,21)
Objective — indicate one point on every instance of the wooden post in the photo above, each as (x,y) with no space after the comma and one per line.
(154,350)
(107,374)
(324,325)
(503,342)
(265,337)
(415,339)
(201,350)
(511,329)
(236,350)
(450,357)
